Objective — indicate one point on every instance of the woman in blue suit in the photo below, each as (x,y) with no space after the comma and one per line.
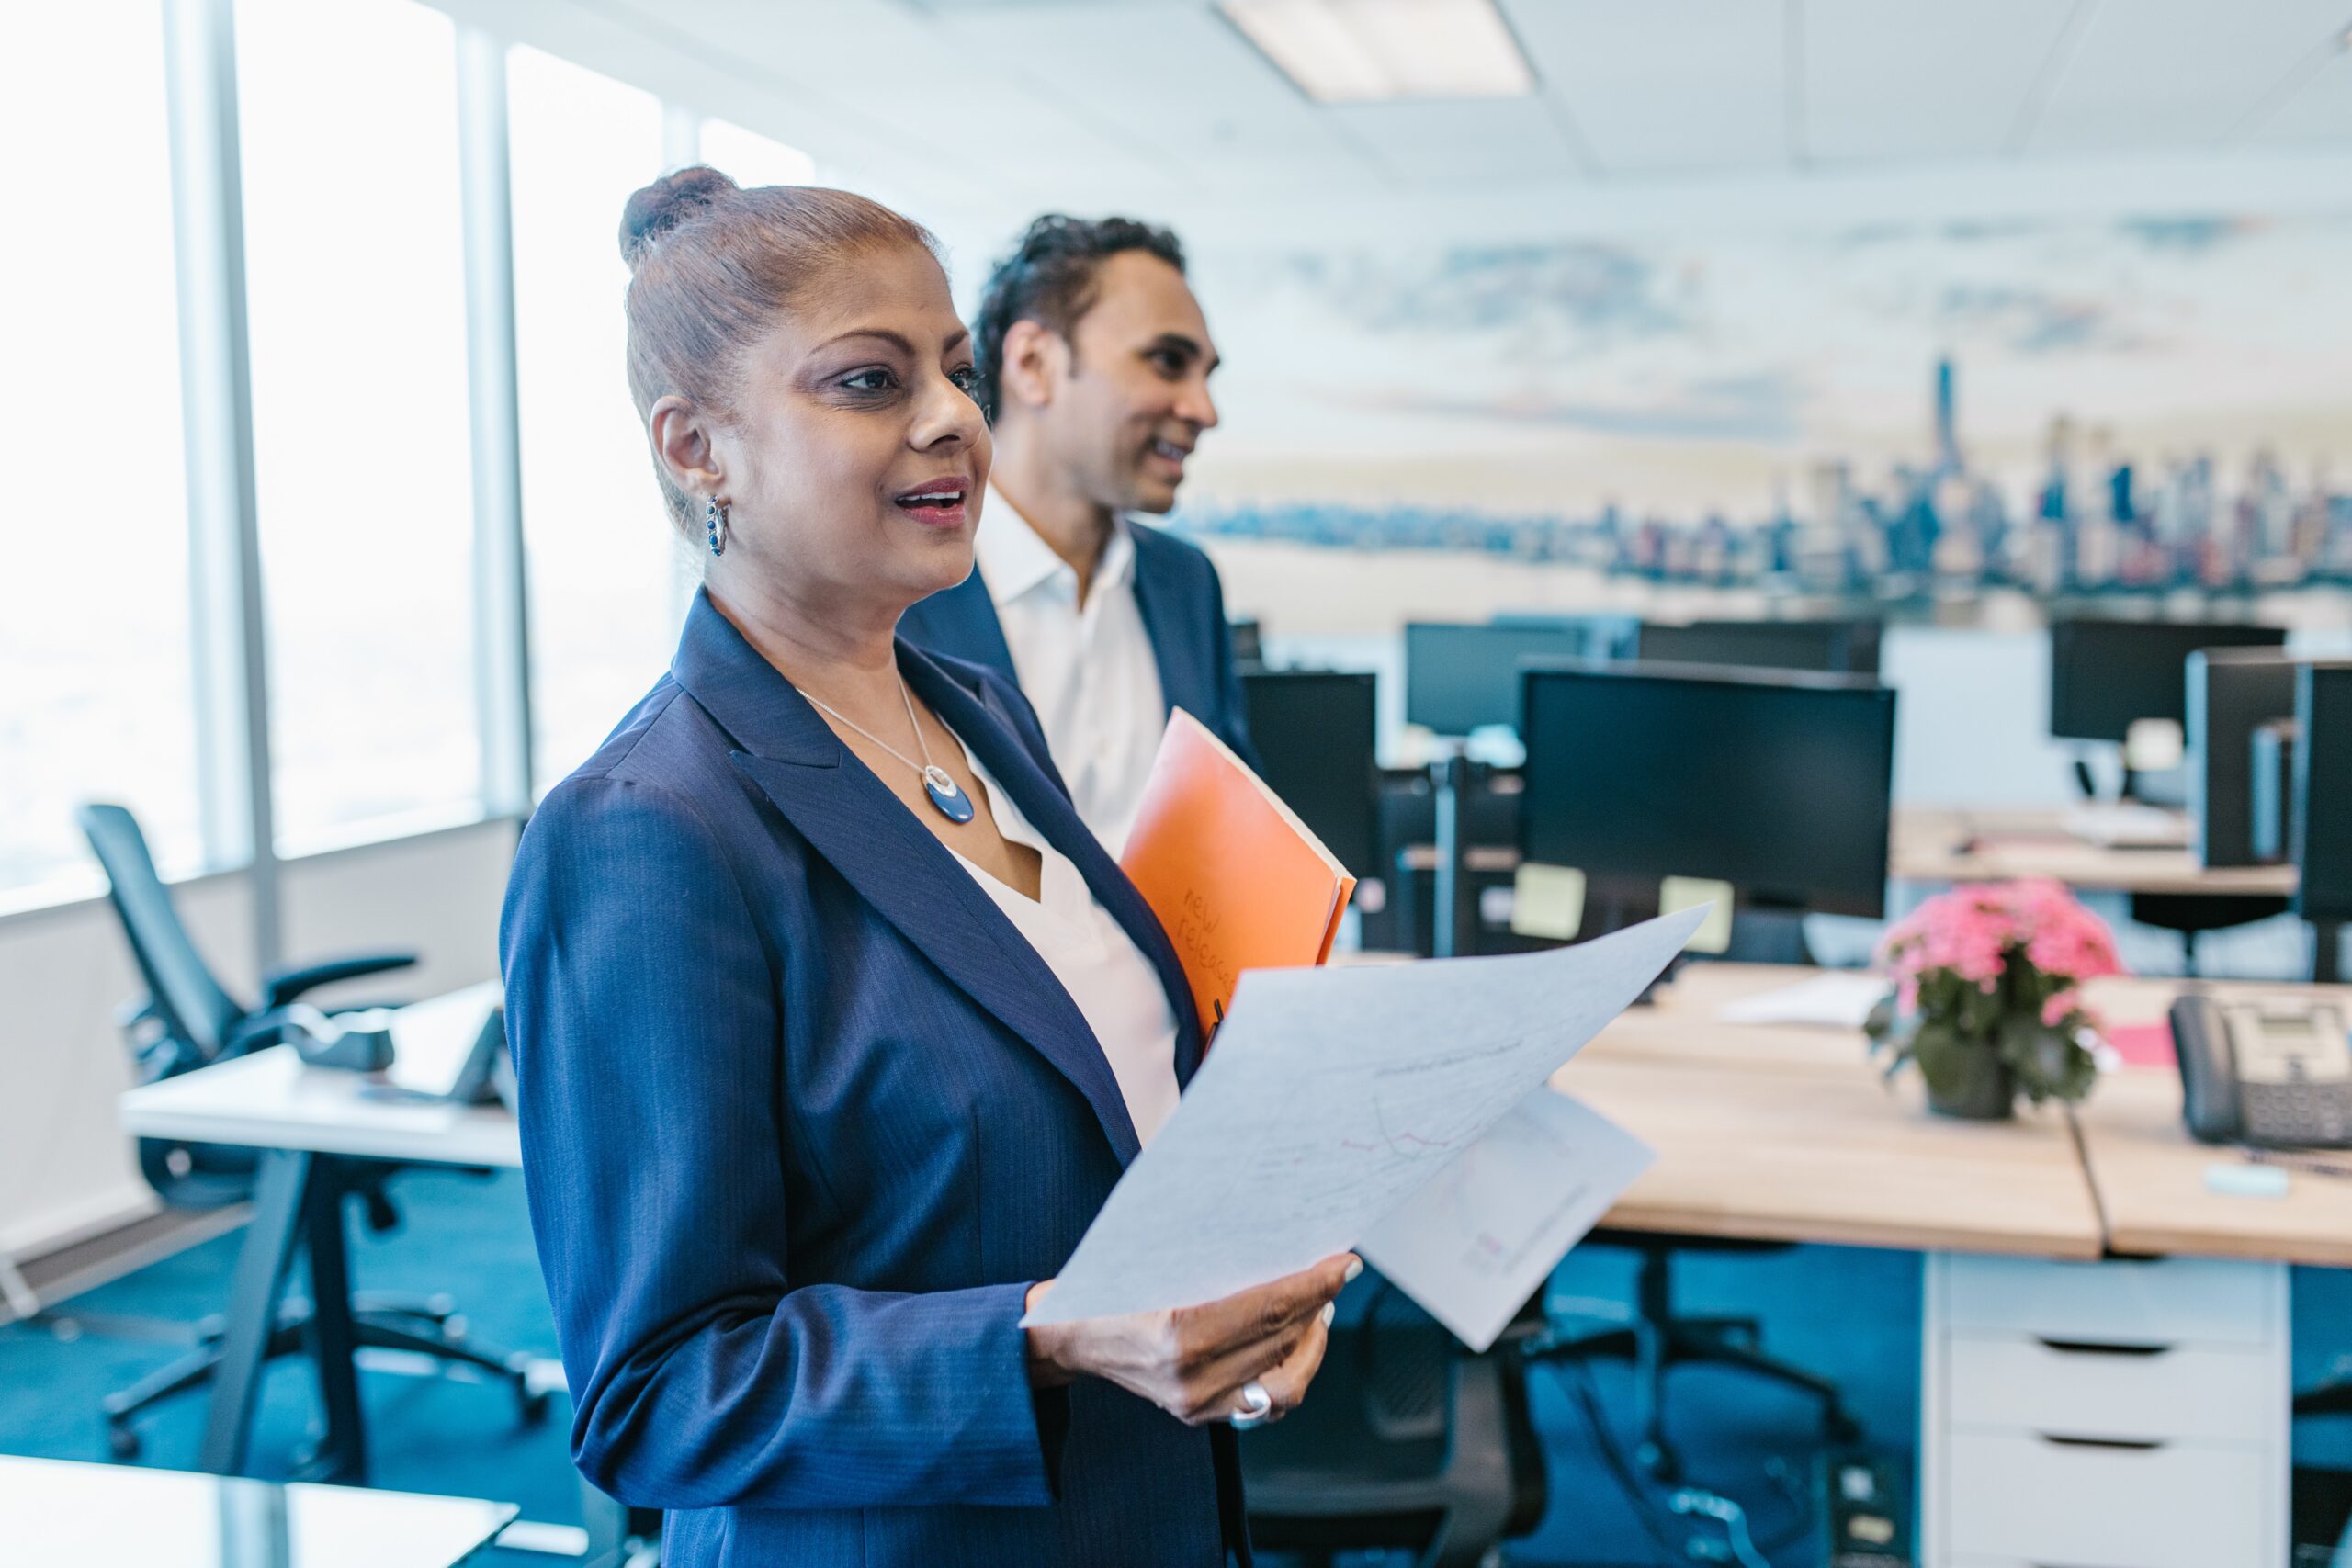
(833,1024)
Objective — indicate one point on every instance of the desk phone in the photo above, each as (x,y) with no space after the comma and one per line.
(2273,1073)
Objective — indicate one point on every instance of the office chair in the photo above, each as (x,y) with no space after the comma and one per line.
(1659,1340)
(1408,1441)
(188,1021)
(2192,914)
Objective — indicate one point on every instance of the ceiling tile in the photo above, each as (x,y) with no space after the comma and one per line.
(1893,79)
(2155,76)
(1462,142)
(2319,114)
(1170,78)
(1665,86)
(920,112)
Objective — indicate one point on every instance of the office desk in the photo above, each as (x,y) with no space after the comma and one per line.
(1682,1025)
(2149,1174)
(2072,1410)
(311,1125)
(59,1512)
(1820,1154)
(1925,846)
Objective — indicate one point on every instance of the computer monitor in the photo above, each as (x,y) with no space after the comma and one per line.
(1461,678)
(2231,692)
(1606,635)
(1845,647)
(1249,642)
(2107,675)
(2323,835)
(1775,781)
(1314,732)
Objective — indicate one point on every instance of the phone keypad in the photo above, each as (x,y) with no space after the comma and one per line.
(2299,1115)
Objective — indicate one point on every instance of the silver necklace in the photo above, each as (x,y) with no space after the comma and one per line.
(937,781)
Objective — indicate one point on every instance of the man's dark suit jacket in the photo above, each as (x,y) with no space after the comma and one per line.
(803,1116)
(1184,613)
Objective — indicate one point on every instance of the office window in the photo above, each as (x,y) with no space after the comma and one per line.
(750,159)
(357,318)
(96,700)
(608,576)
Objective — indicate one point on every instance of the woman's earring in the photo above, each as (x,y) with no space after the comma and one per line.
(714,521)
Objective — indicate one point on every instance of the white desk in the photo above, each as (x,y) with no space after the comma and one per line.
(315,1126)
(61,1512)
(271,1101)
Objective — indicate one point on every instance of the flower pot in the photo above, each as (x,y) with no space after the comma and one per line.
(1986,1090)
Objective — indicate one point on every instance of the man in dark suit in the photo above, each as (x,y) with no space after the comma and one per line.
(1094,364)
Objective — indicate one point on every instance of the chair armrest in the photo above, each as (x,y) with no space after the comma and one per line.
(283,986)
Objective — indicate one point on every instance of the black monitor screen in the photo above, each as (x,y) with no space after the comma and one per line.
(1848,648)
(1778,785)
(1314,733)
(1459,678)
(2105,675)
(2231,692)
(2323,791)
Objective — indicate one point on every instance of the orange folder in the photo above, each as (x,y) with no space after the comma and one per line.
(1235,878)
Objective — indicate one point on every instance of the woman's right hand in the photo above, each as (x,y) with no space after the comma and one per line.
(1194,1362)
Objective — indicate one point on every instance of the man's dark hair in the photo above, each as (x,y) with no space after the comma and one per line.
(1049,280)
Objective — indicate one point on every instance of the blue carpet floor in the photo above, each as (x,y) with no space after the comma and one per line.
(1852,1315)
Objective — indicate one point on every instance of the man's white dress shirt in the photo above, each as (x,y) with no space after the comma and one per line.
(1118,991)
(1087,669)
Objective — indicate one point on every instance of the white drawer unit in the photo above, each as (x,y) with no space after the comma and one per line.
(2119,1415)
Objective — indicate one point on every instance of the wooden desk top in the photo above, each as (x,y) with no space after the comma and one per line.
(2149,1174)
(1828,1156)
(1682,1026)
(2149,1177)
(1925,846)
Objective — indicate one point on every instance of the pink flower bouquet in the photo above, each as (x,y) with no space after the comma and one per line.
(1987,996)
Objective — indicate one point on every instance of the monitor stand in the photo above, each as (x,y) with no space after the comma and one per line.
(1450,776)
(2088,784)
(1760,933)
(1767,934)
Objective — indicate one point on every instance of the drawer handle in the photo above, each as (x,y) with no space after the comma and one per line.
(2098,1348)
(2132,1445)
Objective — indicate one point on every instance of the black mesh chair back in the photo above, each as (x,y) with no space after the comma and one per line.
(188,1002)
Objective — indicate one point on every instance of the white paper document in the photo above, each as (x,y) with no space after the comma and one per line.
(1331,1096)
(1474,1244)
(1835,1000)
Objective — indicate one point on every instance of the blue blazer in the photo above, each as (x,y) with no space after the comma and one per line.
(803,1116)
(1184,613)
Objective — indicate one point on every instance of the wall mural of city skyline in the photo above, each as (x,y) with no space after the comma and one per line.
(1686,397)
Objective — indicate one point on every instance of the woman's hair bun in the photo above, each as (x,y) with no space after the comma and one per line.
(655,210)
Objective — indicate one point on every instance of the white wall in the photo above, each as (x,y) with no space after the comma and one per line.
(65,1168)
(437,897)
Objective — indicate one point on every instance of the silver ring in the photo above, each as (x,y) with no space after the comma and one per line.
(1257,1404)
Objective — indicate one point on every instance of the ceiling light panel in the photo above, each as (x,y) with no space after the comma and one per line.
(1375,51)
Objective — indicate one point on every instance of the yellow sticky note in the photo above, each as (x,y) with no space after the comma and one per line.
(1676,894)
(1547,901)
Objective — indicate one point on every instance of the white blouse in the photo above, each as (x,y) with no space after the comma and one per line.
(1114,985)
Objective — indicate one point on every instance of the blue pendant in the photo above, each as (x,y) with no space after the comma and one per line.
(946,795)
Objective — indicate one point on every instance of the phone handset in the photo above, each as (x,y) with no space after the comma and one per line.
(2209,1078)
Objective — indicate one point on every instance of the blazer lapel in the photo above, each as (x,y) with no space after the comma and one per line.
(993,733)
(1169,622)
(896,864)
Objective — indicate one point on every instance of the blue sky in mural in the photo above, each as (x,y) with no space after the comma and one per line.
(1689,374)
